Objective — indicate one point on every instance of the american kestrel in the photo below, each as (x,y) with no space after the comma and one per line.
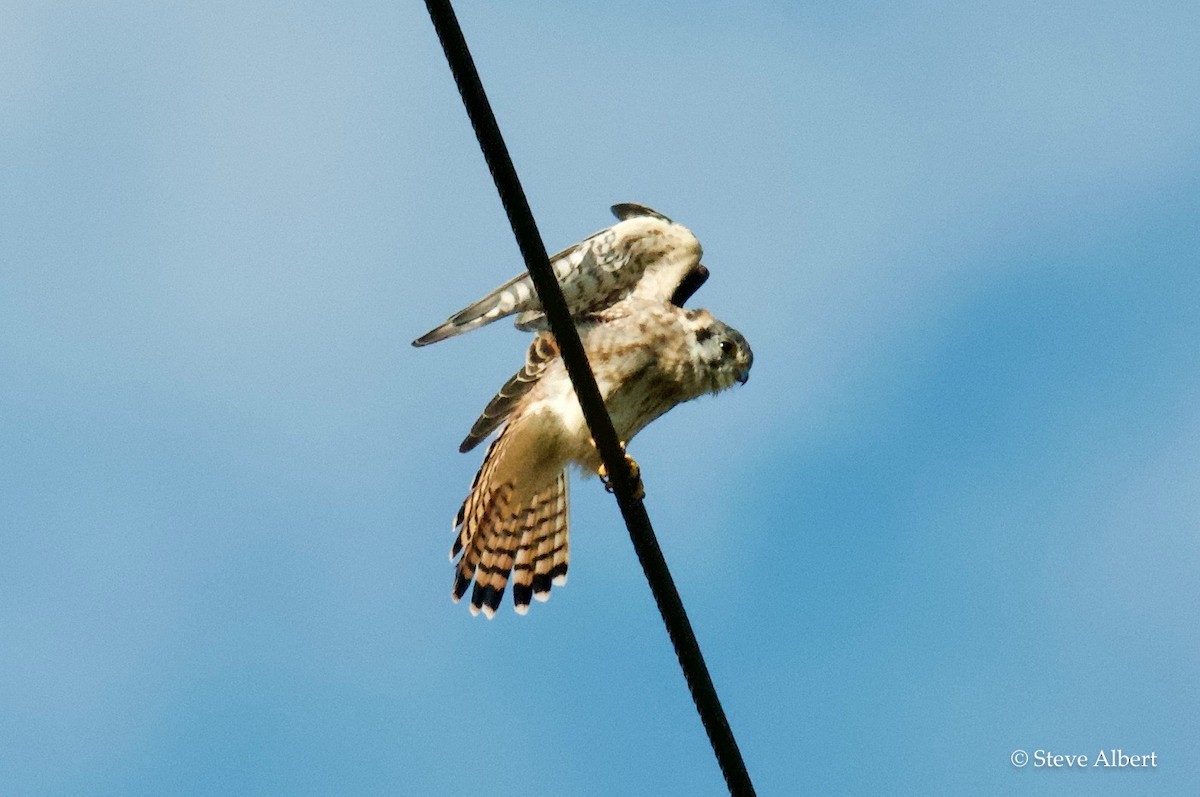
(648,356)
(644,254)
(625,287)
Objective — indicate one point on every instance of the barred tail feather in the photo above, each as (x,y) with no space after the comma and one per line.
(475,500)
(550,549)
(543,556)
(498,537)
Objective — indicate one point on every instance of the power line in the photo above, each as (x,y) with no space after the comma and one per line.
(695,672)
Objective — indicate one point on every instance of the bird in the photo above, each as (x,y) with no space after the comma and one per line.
(648,355)
(644,254)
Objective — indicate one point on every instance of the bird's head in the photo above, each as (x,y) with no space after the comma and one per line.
(721,352)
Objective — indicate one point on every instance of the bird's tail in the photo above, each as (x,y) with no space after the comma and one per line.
(498,535)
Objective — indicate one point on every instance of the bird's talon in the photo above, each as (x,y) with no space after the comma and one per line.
(603,474)
(635,476)
(639,489)
(602,471)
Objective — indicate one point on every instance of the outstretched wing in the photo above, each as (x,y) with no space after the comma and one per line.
(644,253)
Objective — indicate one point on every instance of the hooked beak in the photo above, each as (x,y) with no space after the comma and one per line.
(743,374)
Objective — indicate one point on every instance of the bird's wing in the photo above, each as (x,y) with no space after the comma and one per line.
(631,210)
(541,354)
(644,252)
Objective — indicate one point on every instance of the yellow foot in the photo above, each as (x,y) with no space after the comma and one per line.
(635,475)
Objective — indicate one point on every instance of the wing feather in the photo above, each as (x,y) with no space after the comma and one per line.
(631,210)
(542,352)
(644,252)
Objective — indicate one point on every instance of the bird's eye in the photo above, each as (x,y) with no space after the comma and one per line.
(726,347)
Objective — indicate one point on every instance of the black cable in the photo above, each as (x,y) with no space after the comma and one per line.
(634,511)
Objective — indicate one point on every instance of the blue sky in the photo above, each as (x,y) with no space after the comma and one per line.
(954,513)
